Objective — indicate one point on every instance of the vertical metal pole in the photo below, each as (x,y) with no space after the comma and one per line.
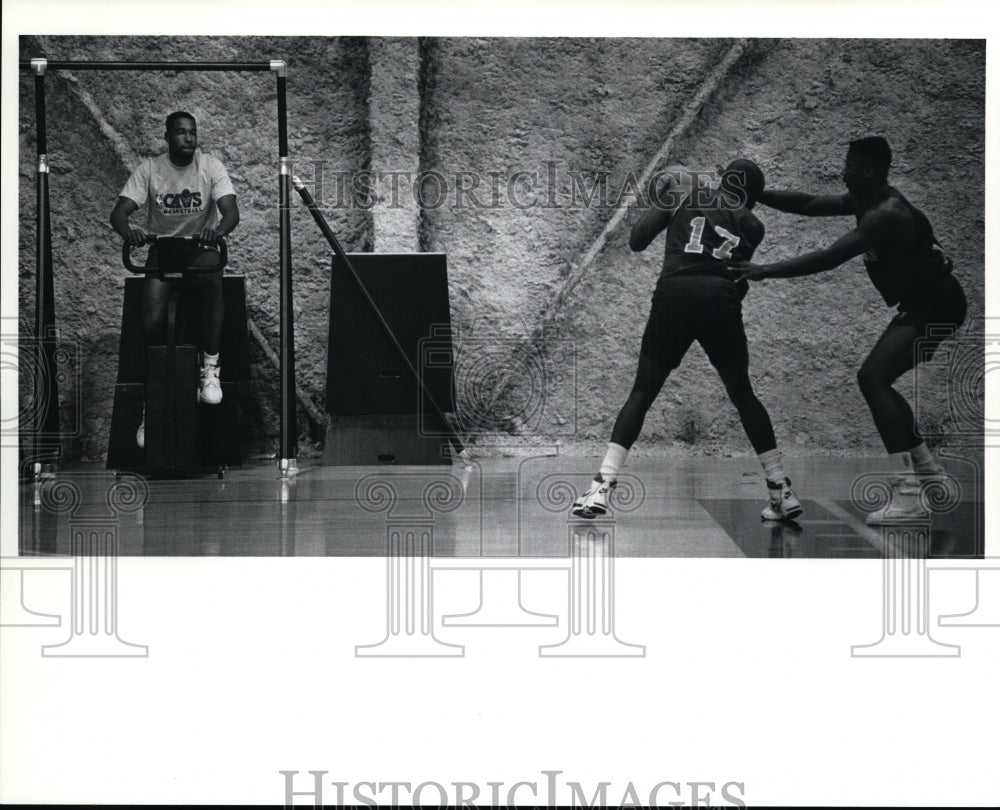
(289,429)
(46,392)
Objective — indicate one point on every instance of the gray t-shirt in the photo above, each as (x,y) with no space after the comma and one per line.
(179,200)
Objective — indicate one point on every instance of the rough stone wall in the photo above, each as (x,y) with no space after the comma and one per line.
(791,105)
(535,105)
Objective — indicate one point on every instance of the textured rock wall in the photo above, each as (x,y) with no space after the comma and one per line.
(489,108)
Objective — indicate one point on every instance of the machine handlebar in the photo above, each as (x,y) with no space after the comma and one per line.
(174,243)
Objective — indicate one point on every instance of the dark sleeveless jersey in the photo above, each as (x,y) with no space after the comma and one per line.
(707,238)
(902,270)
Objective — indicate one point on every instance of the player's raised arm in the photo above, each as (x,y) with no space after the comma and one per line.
(667,191)
(810,205)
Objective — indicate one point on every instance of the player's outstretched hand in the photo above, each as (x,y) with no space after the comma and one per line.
(747,271)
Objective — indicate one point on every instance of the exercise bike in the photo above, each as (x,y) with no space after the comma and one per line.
(159,383)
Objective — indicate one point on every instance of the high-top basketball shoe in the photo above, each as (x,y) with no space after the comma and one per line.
(782,505)
(594,501)
(904,502)
(209,390)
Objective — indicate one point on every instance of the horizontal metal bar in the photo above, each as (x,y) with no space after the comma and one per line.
(261,67)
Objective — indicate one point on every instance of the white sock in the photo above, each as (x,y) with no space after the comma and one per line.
(773,468)
(901,460)
(614,460)
(923,460)
(209,359)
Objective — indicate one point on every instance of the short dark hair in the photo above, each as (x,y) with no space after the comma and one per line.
(876,149)
(748,176)
(179,114)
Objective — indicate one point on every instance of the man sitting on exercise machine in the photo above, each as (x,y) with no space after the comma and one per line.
(181,190)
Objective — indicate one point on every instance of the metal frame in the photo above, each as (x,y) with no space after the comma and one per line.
(45,381)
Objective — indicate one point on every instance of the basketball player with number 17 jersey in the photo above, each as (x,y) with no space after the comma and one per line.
(697,298)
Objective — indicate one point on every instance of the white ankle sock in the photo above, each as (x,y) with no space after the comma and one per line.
(773,468)
(614,460)
(923,460)
(209,359)
(900,461)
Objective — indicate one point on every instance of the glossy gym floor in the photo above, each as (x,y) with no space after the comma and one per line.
(510,507)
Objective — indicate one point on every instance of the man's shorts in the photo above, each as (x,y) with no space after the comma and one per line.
(689,307)
(935,312)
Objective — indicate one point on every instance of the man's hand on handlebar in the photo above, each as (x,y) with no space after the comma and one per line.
(209,236)
(136,237)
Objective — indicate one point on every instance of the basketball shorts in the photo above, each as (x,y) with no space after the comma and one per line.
(691,307)
(936,312)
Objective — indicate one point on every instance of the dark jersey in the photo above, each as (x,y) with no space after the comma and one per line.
(706,238)
(902,269)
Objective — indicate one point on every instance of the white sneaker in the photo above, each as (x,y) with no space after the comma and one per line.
(938,476)
(140,434)
(904,504)
(210,391)
(782,503)
(594,501)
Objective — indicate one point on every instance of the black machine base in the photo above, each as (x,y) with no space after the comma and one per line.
(367,440)
(206,437)
(182,434)
(389,384)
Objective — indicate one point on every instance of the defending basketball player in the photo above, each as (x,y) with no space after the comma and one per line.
(910,270)
(181,191)
(696,298)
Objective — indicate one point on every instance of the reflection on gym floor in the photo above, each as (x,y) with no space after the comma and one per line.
(498,507)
